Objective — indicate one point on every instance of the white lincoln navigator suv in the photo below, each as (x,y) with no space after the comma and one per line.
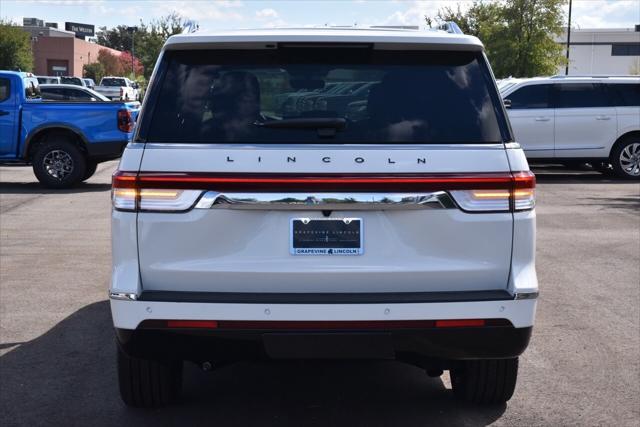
(251,220)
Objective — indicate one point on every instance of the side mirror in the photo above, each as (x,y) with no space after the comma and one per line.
(507,103)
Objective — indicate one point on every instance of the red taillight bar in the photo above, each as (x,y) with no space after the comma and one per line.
(328,182)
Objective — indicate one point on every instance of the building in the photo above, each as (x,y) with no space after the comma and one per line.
(59,52)
(603,51)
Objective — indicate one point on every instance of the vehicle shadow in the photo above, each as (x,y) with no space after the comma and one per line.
(630,202)
(37,188)
(68,377)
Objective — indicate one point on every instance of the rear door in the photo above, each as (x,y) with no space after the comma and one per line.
(532,119)
(254,187)
(586,120)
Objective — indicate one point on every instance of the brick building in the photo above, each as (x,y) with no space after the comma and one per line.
(61,53)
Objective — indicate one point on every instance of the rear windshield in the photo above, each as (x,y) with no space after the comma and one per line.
(113,82)
(325,95)
(71,81)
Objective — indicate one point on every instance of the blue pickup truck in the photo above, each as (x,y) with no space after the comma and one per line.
(63,141)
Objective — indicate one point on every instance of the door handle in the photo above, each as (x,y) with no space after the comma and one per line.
(3,113)
(603,118)
(542,119)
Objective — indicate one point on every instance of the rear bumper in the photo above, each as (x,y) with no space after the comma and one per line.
(429,346)
(385,342)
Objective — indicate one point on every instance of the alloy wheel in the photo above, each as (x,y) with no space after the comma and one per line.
(630,159)
(58,164)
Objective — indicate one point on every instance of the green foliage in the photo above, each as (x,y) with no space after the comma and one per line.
(519,35)
(15,48)
(94,71)
(147,40)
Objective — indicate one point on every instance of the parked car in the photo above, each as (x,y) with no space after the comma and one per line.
(69,80)
(53,80)
(70,93)
(406,235)
(567,119)
(63,141)
(118,88)
(89,83)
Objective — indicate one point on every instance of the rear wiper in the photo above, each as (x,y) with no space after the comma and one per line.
(326,126)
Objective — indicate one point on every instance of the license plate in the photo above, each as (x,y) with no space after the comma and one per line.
(319,236)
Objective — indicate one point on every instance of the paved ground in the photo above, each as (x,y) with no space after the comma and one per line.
(57,350)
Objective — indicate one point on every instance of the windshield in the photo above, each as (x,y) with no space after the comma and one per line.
(361,95)
(113,82)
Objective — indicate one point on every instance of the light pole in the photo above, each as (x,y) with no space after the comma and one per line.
(566,70)
(133,31)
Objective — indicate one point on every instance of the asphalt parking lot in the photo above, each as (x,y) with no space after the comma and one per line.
(57,353)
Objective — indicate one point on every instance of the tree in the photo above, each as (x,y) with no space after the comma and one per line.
(110,63)
(519,35)
(94,71)
(149,38)
(129,62)
(15,48)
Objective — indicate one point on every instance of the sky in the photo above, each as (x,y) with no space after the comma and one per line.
(236,14)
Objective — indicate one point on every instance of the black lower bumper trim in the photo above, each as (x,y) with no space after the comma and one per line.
(102,151)
(444,344)
(324,298)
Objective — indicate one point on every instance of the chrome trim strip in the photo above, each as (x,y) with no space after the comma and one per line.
(150,145)
(512,145)
(123,296)
(526,295)
(325,201)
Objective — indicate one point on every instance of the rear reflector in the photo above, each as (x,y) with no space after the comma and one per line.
(196,324)
(253,325)
(462,323)
(178,192)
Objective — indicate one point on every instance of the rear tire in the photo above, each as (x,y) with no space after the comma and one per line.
(90,170)
(59,163)
(485,381)
(625,158)
(146,383)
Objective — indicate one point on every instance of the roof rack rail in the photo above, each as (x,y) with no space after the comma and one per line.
(595,76)
(450,27)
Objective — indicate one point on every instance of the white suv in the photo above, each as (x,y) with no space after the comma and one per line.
(242,233)
(577,120)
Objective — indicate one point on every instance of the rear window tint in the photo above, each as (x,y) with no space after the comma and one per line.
(581,95)
(624,94)
(379,96)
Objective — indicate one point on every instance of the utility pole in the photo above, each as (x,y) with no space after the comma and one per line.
(133,31)
(566,70)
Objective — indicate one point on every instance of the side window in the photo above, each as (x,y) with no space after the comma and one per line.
(54,94)
(76,95)
(532,96)
(5,86)
(624,94)
(581,95)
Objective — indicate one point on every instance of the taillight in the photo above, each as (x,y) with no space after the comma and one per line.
(178,192)
(126,195)
(125,121)
(518,195)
